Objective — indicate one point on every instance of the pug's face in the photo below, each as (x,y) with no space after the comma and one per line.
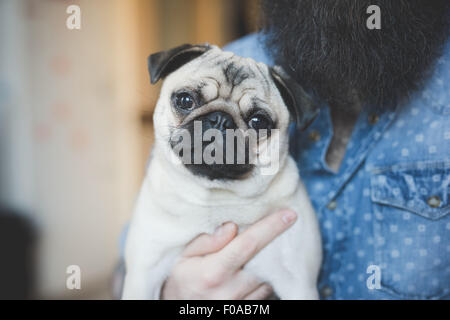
(224,117)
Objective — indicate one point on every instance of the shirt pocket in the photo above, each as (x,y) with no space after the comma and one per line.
(411,229)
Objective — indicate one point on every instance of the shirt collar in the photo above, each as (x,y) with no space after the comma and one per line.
(310,146)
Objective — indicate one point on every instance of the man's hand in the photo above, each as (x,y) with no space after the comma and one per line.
(211,265)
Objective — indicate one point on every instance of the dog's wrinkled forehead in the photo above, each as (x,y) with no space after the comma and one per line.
(234,70)
(222,74)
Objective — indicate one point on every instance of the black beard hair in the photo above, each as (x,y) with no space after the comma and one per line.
(326,46)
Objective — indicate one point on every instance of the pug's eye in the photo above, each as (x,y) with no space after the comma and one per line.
(260,121)
(184,101)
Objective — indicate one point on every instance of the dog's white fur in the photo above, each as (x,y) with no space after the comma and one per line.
(174,206)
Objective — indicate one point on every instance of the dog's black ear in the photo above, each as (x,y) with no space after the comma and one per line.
(299,103)
(162,63)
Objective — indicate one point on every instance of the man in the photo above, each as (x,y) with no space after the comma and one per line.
(375,161)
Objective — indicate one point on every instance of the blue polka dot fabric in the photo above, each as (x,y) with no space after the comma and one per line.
(384,216)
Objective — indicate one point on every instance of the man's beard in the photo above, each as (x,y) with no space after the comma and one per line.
(326,46)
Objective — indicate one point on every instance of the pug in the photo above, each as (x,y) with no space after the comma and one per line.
(183,195)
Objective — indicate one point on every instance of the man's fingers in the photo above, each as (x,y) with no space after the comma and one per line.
(261,293)
(247,244)
(207,243)
(241,285)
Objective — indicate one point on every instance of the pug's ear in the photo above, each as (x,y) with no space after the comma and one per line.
(163,63)
(302,108)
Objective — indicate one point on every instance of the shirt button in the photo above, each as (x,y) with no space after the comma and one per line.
(332,205)
(373,118)
(314,135)
(434,201)
(326,292)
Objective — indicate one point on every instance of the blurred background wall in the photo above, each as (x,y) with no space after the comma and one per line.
(75,122)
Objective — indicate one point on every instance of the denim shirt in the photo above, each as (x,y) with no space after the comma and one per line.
(384,216)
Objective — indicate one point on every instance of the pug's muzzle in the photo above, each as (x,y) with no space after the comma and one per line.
(235,159)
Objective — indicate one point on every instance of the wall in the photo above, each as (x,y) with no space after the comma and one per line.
(75,120)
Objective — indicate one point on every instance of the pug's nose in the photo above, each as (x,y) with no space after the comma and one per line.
(219,120)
